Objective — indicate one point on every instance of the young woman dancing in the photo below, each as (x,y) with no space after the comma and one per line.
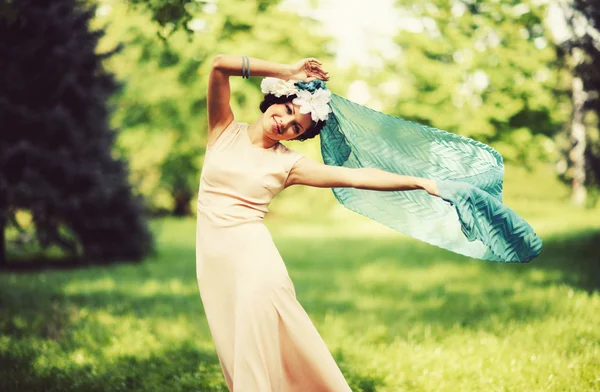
(265,341)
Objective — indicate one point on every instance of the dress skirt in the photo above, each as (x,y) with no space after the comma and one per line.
(264,339)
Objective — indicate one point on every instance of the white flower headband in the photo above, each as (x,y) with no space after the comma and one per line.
(312,97)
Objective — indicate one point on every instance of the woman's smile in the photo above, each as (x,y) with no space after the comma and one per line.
(276,127)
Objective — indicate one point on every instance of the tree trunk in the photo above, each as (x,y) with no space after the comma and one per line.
(577,136)
(182,204)
(3,261)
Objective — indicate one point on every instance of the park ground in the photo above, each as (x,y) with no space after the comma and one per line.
(397,314)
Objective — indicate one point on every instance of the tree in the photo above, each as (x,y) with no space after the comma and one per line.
(481,69)
(56,144)
(162,109)
(578,38)
(171,15)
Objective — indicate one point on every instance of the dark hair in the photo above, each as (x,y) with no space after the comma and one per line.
(312,131)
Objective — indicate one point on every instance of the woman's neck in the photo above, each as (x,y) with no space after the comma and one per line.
(257,136)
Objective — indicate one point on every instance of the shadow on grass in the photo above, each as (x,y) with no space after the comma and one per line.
(175,369)
(396,283)
(576,256)
(399,283)
(40,263)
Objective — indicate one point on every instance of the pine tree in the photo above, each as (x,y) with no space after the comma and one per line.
(55,150)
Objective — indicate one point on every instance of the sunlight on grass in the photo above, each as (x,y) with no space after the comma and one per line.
(397,314)
(148,288)
(105,284)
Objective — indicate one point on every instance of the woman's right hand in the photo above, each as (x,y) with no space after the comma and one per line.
(307,70)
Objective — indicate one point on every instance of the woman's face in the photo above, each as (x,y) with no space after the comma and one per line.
(283,121)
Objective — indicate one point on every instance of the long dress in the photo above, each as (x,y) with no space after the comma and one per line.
(264,339)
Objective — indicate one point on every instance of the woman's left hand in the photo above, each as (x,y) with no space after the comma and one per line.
(307,70)
(431,187)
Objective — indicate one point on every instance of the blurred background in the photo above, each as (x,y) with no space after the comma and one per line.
(103,129)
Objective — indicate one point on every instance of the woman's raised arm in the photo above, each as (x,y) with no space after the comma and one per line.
(311,173)
(224,66)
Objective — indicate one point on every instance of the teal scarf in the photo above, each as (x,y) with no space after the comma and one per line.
(469,218)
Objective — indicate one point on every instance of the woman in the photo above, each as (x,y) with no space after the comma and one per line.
(264,339)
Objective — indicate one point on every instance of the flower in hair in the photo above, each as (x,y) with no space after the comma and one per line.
(312,97)
(278,87)
(316,103)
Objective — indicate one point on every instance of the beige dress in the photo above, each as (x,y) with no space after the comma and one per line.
(264,339)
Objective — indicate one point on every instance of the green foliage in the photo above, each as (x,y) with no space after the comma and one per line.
(485,70)
(397,314)
(166,85)
(170,15)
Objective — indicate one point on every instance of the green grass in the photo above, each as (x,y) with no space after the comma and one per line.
(397,314)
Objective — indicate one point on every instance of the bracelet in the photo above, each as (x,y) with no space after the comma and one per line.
(245,67)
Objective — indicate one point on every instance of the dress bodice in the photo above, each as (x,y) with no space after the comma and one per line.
(239,179)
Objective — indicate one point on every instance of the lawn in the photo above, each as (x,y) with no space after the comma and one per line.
(397,314)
